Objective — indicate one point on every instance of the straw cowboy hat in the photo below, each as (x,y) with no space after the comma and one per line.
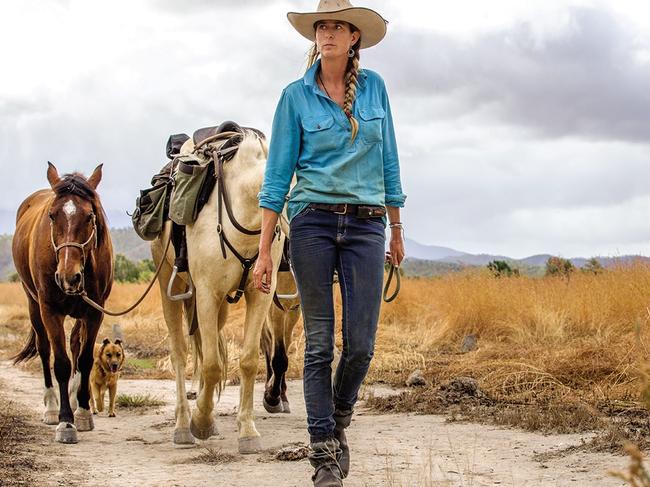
(370,23)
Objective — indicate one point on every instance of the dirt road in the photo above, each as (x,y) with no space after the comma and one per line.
(135,449)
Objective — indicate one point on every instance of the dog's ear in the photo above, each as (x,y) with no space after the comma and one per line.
(106,341)
(118,342)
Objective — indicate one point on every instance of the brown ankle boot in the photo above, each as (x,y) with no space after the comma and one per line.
(343,418)
(324,457)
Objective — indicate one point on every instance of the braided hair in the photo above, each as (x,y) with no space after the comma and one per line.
(351,78)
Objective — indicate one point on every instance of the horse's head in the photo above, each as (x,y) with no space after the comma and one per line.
(74,225)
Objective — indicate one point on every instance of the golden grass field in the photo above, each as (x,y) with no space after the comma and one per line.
(541,341)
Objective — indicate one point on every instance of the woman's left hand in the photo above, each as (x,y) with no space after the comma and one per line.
(396,253)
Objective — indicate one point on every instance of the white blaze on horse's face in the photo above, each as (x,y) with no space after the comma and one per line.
(69,208)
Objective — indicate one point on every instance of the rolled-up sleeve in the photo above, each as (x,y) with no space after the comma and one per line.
(283,155)
(392,183)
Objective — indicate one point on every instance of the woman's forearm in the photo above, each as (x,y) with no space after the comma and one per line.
(269,222)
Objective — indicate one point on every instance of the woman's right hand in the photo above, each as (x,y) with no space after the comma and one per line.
(262,273)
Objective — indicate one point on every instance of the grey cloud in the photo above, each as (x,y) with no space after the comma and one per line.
(583,82)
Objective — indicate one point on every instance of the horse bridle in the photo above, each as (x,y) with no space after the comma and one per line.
(80,246)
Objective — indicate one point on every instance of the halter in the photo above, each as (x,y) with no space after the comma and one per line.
(80,246)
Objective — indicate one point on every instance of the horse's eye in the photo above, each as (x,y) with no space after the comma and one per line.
(50,216)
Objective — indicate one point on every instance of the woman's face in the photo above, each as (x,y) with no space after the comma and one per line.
(334,38)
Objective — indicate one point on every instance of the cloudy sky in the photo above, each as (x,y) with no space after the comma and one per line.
(523,127)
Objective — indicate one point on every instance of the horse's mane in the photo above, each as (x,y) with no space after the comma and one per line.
(77,185)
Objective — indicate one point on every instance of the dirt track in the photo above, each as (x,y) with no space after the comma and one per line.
(135,448)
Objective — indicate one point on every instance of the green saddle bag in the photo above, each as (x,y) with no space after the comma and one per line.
(189,179)
(149,215)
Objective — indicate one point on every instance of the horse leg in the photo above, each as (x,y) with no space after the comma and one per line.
(257,307)
(51,414)
(173,314)
(90,328)
(266,344)
(214,367)
(66,432)
(290,320)
(271,400)
(75,347)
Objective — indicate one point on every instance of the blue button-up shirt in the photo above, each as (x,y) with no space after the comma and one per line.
(311,138)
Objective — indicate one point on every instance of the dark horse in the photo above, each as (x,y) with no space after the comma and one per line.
(62,250)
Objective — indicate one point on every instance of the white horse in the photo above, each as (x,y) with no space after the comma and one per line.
(214,278)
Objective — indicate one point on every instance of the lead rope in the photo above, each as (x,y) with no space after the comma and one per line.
(101,309)
(398,280)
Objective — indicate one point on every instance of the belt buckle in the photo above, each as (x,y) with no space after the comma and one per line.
(345,209)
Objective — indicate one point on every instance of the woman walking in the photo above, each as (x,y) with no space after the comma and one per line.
(333,130)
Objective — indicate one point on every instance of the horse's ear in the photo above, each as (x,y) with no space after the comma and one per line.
(52,174)
(106,341)
(95,177)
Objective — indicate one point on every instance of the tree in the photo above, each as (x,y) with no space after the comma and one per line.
(125,270)
(557,266)
(500,268)
(594,266)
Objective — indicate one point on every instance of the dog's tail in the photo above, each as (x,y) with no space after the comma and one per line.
(29,351)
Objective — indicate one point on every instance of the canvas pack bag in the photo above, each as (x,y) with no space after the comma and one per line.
(190,178)
(149,215)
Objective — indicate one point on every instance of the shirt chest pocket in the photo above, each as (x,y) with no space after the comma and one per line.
(371,123)
(319,133)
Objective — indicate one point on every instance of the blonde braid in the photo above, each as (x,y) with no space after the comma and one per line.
(351,92)
(312,55)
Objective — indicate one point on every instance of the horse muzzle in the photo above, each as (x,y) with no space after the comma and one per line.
(71,285)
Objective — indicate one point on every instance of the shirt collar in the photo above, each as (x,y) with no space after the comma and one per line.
(310,77)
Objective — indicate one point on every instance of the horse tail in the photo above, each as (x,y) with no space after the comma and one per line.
(222,348)
(195,343)
(29,351)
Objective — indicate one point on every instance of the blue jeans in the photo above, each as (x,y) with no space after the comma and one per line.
(322,242)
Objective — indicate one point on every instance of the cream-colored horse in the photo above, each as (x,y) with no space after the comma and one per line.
(215,277)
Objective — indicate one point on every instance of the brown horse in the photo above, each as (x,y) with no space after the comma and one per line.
(62,250)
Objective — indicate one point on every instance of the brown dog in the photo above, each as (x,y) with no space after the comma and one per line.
(109,359)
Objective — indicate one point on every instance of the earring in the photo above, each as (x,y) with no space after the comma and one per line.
(351,53)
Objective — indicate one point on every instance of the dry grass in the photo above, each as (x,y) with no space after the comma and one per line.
(541,341)
(17,439)
(138,401)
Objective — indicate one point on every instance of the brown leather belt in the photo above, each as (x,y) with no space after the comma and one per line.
(360,211)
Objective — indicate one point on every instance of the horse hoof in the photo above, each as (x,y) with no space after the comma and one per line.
(250,445)
(83,419)
(203,433)
(286,408)
(270,408)
(51,417)
(66,433)
(183,438)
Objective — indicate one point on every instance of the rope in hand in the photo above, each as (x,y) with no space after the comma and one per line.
(394,270)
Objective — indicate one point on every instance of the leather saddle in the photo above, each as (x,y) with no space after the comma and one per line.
(228,126)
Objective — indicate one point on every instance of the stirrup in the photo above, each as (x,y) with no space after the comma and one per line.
(179,297)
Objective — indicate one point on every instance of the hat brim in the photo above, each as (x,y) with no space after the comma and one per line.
(370,23)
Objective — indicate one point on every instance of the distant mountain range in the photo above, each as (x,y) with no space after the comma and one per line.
(423,260)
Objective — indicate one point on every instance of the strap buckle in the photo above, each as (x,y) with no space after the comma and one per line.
(345,210)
